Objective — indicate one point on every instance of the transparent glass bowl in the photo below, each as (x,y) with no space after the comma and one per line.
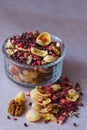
(31,76)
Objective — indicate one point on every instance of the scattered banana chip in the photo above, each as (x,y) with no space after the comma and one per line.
(20,97)
(49,116)
(33,115)
(42,92)
(49,58)
(72,95)
(43,39)
(38,52)
(35,97)
(55,87)
(46,101)
(36,107)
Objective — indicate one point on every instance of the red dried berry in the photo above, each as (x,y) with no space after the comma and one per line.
(44,39)
(54,97)
(20,45)
(15,119)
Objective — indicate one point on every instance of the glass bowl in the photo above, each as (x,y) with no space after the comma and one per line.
(31,76)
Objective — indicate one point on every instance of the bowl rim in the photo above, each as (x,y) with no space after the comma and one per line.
(55,38)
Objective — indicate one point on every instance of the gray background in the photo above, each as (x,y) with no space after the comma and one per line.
(64,18)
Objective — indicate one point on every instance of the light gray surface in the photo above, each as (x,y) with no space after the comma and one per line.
(64,18)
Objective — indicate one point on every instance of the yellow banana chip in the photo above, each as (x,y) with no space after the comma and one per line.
(36,107)
(49,116)
(72,95)
(38,52)
(46,101)
(25,78)
(20,48)
(35,97)
(9,44)
(42,92)
(9,52)
(20,97)
(33,115)
(49,58)
(43,39)
(55,87)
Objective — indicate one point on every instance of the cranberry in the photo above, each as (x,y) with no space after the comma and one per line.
(43,39)
(54,97)
(20,45)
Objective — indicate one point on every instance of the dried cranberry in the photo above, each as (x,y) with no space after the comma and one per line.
(20,45)
(25,124)
(54,97)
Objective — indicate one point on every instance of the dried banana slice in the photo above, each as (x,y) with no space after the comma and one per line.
(49,58)
(46,101)
(42,91)
(9,44)
(38,52)
(20,48)
(9,52)
(20,97)
(33,115)
(25,78)
(55,87)
(72,95)
(43,39)
(35,97)
(49,116)
(30,74)
(29,59)
(36,107)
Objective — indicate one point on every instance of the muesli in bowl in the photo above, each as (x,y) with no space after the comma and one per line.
(33,58)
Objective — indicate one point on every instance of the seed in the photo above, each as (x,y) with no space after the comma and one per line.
(81,93)
(46,121)
(81,104)
(9,117)
(30,103)
(75,124)
(25,124)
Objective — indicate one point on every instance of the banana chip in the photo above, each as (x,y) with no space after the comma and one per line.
(42,92)
(33,115)
(46,101)
(9,52)
(49,116)
(20,97)
(49,58)
(36,107)
(9,44)
(20,48)
(25,78)
(55,87)
(43,39)
(35,97)
(72,95)
(38,52)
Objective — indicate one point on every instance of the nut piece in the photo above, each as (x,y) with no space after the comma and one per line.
(15,108)
(43,39)
(38,52)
